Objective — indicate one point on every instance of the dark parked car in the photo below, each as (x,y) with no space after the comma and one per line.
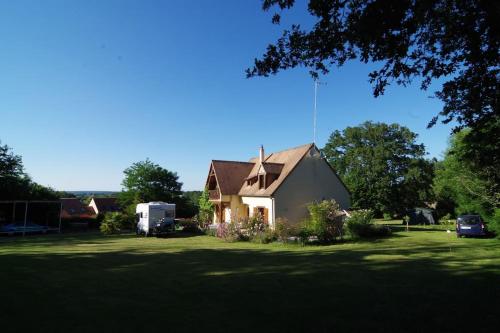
(470,225)
(18,228)
(164,226)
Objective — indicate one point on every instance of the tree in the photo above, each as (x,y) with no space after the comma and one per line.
(382,165)
(146,181)
(187,204)
(193,197)
(11,165)
(454,41)
(206,208)
(457,182)
(15,184)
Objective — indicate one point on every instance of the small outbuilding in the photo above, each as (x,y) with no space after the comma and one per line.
(422,216)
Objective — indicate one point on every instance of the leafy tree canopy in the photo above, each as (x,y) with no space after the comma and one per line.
(15,184)
(382,165)
(11,165)
(458,40)
(455,41)
(146,181)
(456,181)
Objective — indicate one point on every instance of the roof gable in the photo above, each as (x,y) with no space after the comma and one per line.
(73,207)
(287,161)
(230,175)
(106,204)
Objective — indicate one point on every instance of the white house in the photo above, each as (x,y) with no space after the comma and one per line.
(278,185)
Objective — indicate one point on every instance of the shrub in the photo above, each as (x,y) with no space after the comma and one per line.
(378,231)
(493,222)
(359,223)
(211,232)
(206,210)
(283,230)
(230,232)
(264,237)
(256,230)
(304,233)
(234,233)
(387,216)
(326,221)
(447,220)
(112,223)
(254,225)
(190,226)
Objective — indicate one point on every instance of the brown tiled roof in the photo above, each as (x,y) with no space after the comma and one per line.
(230,175)
(74,208)
(106,204)
(287,158)
(274,168)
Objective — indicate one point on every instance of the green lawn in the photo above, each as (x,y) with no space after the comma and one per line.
(420,280)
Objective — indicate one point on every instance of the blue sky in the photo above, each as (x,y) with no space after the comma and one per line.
(89,87)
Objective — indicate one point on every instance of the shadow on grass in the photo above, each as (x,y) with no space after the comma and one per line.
(402,227)
(243,290)
(76,238)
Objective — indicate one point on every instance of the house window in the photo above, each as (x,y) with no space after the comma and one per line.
(261,212)
(262,183)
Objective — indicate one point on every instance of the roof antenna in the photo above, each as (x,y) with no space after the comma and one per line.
(316,84)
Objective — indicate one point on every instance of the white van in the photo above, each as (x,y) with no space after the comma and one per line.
(148,215)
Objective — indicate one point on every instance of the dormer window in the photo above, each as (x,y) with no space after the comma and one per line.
(262,181)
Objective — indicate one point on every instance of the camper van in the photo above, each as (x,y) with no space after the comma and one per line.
(154,217)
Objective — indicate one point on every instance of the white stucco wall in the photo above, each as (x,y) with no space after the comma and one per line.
(311,180)
(264,202)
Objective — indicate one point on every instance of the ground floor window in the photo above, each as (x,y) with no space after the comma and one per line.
(262,212)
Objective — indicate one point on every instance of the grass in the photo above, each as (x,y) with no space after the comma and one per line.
(420,280)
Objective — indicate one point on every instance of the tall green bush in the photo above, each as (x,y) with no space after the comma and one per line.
(206,210)
(360,225)
(494,222)
(113,223)
(283,230)
(325,221)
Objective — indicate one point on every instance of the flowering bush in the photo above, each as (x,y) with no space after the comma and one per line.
(326,221)
(254,225)
(257,230)
(283,230)
(230,232)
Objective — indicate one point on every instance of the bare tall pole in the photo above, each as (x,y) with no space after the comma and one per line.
(25,218)
(60,215)
(314,112)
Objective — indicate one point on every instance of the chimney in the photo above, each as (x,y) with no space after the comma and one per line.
(261,153)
